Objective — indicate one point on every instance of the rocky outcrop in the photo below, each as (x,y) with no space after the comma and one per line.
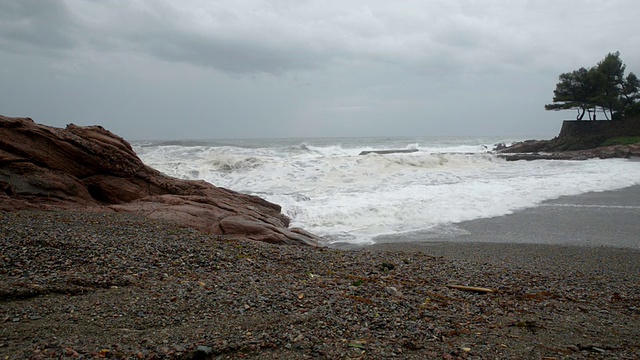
(528,146)
(91,169)
(543,150)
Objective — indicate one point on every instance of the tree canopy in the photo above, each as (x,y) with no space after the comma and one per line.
(603,87)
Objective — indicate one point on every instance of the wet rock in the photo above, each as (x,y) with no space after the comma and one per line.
(607,152)
(89,168)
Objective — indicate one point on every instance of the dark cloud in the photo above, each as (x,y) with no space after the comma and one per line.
(300,68)
(228,55)
(37,25)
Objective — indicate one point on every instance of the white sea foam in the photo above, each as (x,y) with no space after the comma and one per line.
(330,190)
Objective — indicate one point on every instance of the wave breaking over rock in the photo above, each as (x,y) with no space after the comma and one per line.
(88,168)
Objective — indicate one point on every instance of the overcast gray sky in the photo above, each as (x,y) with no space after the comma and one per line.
(203,69)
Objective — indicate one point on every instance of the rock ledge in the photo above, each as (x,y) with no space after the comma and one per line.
(88,168)
(546,150)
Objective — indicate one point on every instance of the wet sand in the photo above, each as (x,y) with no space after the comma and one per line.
(610,218)
(582,233)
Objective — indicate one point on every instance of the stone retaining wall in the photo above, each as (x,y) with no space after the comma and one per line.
(600,128)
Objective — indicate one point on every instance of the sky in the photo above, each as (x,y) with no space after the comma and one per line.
(207,69)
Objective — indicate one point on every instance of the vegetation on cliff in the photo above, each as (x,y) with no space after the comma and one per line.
(602,88)
(621,140)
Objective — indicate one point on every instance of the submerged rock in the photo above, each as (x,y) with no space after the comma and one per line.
(385,152)
(606,152)
(90,168)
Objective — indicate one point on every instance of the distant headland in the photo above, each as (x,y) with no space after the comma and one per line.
(601,89)
(581,140)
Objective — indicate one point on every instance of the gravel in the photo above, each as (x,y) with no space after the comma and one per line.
(83,285)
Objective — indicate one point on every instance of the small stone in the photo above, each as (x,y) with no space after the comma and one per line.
(203,351)
(35,317)
(392,291)
(387,266)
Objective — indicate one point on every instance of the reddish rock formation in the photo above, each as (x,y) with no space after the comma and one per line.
(89,168)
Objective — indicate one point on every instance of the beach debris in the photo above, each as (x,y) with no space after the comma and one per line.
(387,266)
(471,288)
(359,344)
(529,324)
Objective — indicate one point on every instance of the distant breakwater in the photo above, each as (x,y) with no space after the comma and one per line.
(383,152)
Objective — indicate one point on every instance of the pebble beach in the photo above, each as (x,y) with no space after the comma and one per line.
(105,285)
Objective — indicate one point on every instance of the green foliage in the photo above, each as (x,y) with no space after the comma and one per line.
(621,140)
(574,91)
(601,87)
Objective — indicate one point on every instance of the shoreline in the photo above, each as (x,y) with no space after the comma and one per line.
(594,219)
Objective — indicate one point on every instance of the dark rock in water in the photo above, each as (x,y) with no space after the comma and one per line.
(499,146)
(607,152)
(89,168)
(383,152)
(556,149)
(537,156)
(528,146)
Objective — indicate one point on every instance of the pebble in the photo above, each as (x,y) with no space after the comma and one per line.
(189,285)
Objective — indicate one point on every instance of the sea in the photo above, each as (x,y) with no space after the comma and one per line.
(328,188)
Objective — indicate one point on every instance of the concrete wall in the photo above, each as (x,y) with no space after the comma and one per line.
(604,128)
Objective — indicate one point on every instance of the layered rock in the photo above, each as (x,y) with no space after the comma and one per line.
(89,168)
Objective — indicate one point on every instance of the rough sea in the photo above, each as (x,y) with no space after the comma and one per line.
(327,188)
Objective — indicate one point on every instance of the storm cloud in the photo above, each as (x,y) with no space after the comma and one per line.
(194,69)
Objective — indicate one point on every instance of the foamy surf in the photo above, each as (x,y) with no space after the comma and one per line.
(325,187)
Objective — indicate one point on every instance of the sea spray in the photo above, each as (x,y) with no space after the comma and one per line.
(330,190)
